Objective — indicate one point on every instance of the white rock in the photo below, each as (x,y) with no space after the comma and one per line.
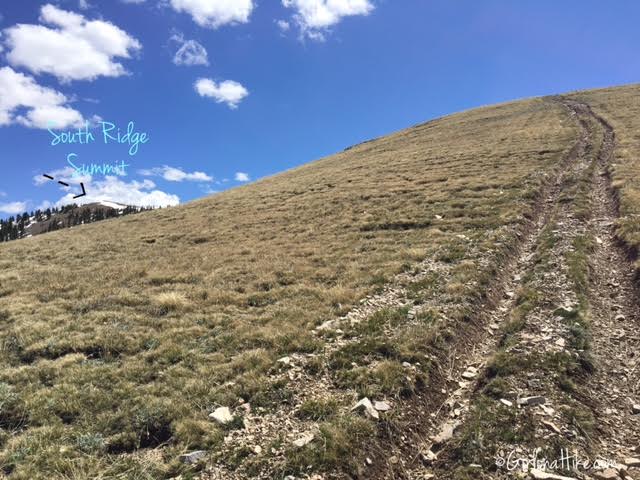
(193,457)
(284,360)
(540,475)
(506,402)
(366,406)
(468,375)
(636,409)
(551,426)
(305,439)
(446,433)
(632,462)
(328,325)
(257,449)
(429,457)
(222,415)
(609,474)
(381,406)
(536,400)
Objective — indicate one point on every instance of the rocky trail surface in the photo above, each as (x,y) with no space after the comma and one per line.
(561,382)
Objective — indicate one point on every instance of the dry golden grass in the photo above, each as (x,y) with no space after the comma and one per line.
(123,335)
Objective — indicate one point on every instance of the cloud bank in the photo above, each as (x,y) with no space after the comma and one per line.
(315,17)
(71,48)
(215,13)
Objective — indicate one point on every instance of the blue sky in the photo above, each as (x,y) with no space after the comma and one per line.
(229,92)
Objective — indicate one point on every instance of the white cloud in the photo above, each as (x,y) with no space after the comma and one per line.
(172,174)
(229,92)
(315,17)
(113,189)
(133,1)
(62,175)
(283,25)
(45,107)
(83,5)
(3,194)
(72,49)
(190,52)
(242,177)
(13,208)
(215,13)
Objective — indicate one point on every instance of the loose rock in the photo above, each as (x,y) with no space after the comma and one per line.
(222,415)
(284,360)
(632,462)
(540,475)
(305,439)
(608,474)
(537,400)
(382,406)
(445,434)
(193,457)
(366,406)
(551,426)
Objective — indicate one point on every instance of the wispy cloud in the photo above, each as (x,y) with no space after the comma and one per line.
(173,174)
(65,175)
(13,208)
(242,177)
(189,53)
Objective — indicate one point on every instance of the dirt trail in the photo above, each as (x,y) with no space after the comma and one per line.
(571,304)
(615,321)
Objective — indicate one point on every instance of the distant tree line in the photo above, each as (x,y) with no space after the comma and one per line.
(56,218)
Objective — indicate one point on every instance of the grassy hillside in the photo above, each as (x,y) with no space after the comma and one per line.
(119,338)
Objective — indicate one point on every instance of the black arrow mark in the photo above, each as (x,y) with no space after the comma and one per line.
(84,192)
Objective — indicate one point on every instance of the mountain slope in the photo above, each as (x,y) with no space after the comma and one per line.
(372,273)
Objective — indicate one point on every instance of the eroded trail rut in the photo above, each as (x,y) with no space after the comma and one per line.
(561,375)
